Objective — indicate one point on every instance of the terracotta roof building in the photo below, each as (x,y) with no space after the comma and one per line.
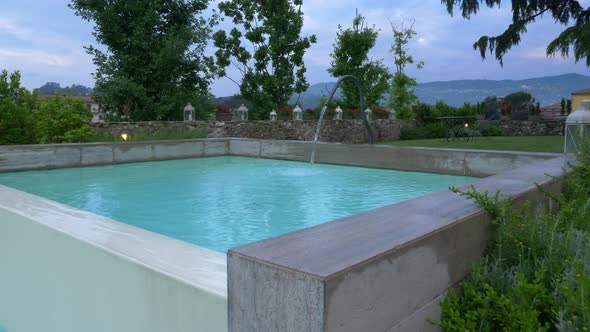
(578,96)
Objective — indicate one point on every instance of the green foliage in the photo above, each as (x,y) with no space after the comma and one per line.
(333,103)
(562,106)
(62,120)
(16,102)
(490,106)
(428,126)
(351,57)
(275,68)
(568,106)
(536,272)
(428,131)
(25,120)
(425,113)
(154,61)
(570,13)
(519,103)
(401,95)
(490,130)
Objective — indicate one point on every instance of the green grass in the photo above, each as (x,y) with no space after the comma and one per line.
(511,143)
(162,135)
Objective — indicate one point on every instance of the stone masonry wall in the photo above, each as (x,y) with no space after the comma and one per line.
(528,128)
(346,131)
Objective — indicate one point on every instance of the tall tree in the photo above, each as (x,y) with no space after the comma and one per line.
(154,61)
(16,103)
(520,101)
(569,13)
(562,109)
(402,96)
(351,57)
(490,106)
(271,62)
(568,106)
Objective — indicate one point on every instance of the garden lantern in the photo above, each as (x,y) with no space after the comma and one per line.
(338,113)
(240,114)
(189,112)
(297,113)
(577,128)
(273,115)
(392,114)
(368,114)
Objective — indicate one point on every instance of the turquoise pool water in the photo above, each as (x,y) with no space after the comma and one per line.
(223,202)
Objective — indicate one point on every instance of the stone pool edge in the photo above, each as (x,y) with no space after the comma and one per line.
(382,270)
(112,259)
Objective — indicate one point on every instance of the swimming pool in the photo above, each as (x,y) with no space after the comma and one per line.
(224,202)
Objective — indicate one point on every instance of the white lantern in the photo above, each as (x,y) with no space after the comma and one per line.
(368,114)
(273,115)
(338,113)
(240,114)
(577,128)
(297,113)
(392,114)
(189,112)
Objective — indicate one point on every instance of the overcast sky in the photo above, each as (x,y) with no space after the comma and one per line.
(44,39)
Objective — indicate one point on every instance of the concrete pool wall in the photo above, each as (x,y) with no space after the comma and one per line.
(66,270)
(383,270)
(478,163)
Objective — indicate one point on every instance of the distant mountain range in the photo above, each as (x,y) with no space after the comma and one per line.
(546,90)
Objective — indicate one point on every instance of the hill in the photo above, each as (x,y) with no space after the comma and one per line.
(547,90)
(53,88)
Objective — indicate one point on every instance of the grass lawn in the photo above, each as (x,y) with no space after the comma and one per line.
(513,143)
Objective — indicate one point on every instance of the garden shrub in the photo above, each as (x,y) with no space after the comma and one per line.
(428,131)
(535,275)
(63,120)
(16,121)
(424,113)
(490,130)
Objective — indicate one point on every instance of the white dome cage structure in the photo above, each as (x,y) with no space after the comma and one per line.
(577,128)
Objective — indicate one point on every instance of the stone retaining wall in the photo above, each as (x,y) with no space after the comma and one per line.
(347,131)
(528,128)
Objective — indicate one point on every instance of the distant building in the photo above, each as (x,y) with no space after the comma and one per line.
(91,105)
(551,111)
(577,98)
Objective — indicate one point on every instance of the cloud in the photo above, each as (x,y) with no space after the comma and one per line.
(47,44)
(42,52)
(10,28)
(536,53)
(35,58)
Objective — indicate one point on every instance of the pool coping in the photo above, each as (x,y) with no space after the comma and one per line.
(187,263)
